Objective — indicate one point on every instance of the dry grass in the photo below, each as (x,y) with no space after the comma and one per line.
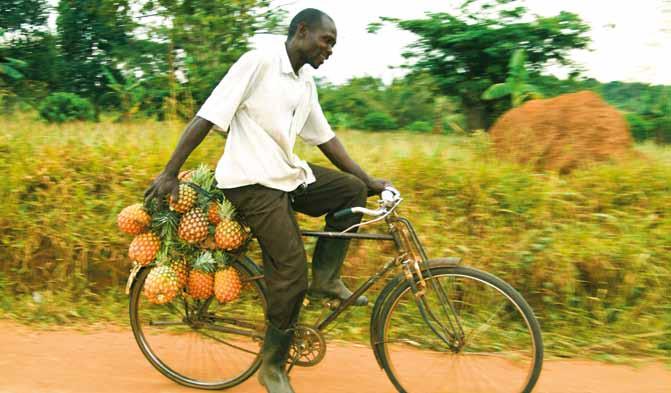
(591,250)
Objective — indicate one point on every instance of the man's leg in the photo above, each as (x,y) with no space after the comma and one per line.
(332,191)
(271,218)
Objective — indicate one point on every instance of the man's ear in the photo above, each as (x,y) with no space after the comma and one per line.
(302,30)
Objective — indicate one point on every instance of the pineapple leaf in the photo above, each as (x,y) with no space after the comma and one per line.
(164,223)
(203,177)
(223,259)
(205,262)
(226,210)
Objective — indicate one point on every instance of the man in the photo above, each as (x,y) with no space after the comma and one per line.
(268,99)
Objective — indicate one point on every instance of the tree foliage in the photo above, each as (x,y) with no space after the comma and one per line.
(517,84)
(22,16)
(61,107)
(467,51)
(90,34)
(205,37)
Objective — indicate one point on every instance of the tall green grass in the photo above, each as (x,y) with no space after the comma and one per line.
(590,250)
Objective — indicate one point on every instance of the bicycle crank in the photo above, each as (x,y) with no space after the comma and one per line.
(308,347)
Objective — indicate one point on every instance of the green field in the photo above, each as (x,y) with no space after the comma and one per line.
(590,250)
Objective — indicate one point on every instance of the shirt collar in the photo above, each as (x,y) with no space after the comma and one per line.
(286,66)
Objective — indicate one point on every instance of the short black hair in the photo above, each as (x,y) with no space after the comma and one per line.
(310,16)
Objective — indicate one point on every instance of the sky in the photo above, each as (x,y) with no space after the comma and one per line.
(631,40)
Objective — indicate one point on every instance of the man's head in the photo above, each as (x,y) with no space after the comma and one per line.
(313,34)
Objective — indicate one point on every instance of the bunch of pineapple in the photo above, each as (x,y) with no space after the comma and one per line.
(185,244)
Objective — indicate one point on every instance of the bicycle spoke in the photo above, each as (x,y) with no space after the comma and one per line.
(498,348)
(474,333)
(201,344)
(227,343)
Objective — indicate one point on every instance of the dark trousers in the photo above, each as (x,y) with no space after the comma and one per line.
(270,213)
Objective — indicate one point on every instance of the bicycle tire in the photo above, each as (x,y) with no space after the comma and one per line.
(403,372)
(247,269)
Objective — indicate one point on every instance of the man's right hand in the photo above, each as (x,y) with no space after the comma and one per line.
(164,184)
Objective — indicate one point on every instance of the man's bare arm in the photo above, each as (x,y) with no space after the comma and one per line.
(336,153)
(166,182)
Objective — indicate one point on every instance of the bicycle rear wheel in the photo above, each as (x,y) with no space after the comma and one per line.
(202,344)
(477,334)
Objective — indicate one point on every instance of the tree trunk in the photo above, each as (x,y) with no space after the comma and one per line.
(475,116)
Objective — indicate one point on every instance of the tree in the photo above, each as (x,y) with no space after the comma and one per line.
(129,94)
(205,37)
(516,85)
(22,16)
(91,34)
(467,51)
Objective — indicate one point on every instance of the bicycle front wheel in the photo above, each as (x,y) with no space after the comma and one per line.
(202,344)
(469,332)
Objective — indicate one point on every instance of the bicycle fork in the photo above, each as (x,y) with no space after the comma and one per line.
(449,331)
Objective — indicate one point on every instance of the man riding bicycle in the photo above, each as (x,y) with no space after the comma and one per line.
(268,98)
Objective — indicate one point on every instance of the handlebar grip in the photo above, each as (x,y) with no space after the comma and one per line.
(342,213)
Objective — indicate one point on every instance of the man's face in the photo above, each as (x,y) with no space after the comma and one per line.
(319,42)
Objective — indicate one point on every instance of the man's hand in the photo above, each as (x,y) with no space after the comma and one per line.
(376,186)
(163,184)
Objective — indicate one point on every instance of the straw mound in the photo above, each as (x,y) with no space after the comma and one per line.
(562,133)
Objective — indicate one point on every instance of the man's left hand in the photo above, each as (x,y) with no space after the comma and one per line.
(376,186)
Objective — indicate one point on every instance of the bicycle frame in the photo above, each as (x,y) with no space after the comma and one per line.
(410,254)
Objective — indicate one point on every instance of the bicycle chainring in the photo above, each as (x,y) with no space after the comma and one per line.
(308,347)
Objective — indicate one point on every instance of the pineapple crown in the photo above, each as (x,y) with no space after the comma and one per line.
(203,177)
(226,210)
(164,223)
(162,257)
(223,259)
(205,262)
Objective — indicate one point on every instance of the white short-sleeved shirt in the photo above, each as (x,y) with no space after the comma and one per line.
(266,106)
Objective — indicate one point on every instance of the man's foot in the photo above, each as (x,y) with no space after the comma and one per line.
(335,289)
(272,374)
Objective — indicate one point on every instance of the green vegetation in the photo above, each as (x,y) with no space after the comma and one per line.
(162,59)
(468,50)
(589,250)
(516,85)
(60,107)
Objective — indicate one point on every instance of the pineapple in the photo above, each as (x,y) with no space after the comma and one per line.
(227,285)
(213,213)
(193,226)
(161,285)
(133,219)
(186,200)
(229,234)
(144,247)
(208,243)
(181,267)
(201,277)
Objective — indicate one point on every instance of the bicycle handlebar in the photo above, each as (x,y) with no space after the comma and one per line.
(389,196)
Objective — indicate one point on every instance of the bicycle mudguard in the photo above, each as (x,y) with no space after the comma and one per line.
(376,323)
(253,270)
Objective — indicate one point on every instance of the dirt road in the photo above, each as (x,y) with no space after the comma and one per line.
(109,361)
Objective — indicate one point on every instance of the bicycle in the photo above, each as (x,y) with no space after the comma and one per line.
(424,323)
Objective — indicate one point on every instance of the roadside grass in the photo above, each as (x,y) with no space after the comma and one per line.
(590,251)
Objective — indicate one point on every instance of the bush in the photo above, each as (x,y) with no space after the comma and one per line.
(379,121)
(339,121)
(420,126)
(640,127)
(60,107)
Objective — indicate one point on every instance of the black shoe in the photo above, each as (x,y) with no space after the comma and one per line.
(336,290)
(327,261)
(272,373)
